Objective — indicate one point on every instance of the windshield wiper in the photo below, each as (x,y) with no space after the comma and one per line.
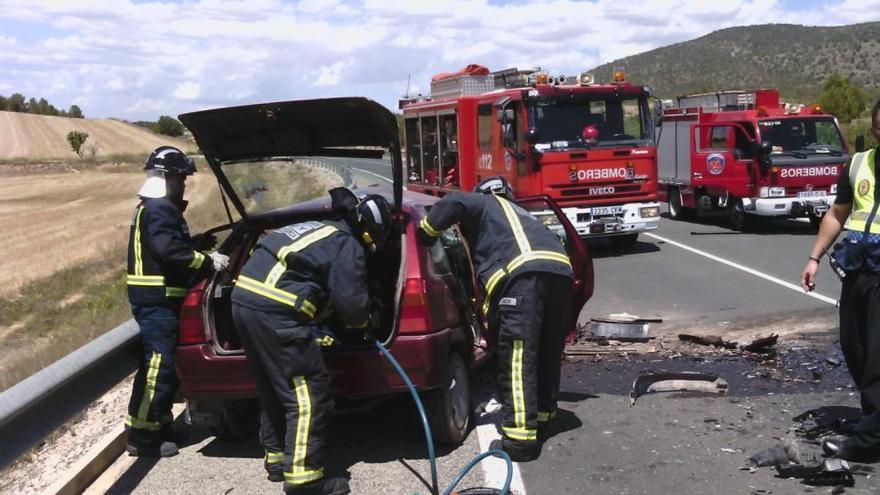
(796,154)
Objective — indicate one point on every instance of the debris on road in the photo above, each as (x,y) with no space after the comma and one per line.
(830,472)
(621,326)
(759,345)
(712,340)
(676,381)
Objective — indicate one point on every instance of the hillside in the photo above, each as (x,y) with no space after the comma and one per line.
(796,59)
(38,137)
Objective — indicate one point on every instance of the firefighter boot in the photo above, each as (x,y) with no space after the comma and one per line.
(169,434)
(518,451)
(149,444)
(323,486)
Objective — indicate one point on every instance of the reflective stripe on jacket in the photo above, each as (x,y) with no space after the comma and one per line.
(863,180)
(162,263)
(311,268)
(504,239)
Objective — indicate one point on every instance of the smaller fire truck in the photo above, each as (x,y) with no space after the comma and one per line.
(588,146)
(746,153)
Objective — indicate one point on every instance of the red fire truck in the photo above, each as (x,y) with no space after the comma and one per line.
(746,153)
(588,146)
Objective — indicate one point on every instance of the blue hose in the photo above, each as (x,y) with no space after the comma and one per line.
(429,440)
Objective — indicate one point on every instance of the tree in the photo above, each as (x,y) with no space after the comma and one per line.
(16,103)
(842,98)
(75,112)
(169,126)
(76,140)
(4,103)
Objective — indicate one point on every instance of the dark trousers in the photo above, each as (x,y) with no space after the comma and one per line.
(155,383)
(534,316)
(293,386)
(860,342)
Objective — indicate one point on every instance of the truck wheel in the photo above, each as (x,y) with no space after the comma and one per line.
(239,419)
(624,241)
(449,407)
(676,210)
(816,221)
(739,219)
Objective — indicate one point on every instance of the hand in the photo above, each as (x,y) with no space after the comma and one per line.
(808,276)
(426,238)
(204,242)
(221,261)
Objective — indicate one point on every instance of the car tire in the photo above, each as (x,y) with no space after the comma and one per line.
(624,241)
(739,219)
(676,210)
(239,420)
(449,407)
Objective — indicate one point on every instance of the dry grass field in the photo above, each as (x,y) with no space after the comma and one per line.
(28,136)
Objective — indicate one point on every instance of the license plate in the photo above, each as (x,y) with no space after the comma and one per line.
(811,194)
(607,210)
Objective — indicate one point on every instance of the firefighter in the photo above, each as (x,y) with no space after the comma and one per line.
(855,210)
(163,262)
(527,285)
(296,276)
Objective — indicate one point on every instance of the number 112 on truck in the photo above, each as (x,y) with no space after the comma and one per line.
(587,146)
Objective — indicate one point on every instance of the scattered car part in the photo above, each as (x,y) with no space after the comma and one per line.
(830,472)
(762,344)
(676,381)
(774,456)
(624,331)
(712,340)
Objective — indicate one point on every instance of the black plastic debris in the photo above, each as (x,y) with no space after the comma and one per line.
(830,472)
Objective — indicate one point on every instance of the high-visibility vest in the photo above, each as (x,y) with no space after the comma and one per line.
(862,179)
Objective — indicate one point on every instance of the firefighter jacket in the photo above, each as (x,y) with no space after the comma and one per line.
(312,268)
(504,239)
(863,180)
(162,264)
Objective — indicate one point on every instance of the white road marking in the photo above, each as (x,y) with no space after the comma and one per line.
(495,469)
(386,179)
(746,269)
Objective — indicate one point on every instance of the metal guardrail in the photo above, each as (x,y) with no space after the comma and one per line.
(342,171)
(35,407)
(38,405)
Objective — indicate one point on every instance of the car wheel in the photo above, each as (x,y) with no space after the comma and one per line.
(449,407)
(239,419)
(624,241)
(676,210)
(739,219)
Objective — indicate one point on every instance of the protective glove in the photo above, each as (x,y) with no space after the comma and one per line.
(426,238)
(204,242)
(221,261)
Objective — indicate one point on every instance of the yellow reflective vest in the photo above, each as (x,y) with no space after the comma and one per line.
(862,178)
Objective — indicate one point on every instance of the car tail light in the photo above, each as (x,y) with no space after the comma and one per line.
(192,327)
(414,316)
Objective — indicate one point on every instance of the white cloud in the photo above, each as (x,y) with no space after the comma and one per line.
(188,90)
(139,60)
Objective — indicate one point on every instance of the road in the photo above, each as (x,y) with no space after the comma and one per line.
(695,276)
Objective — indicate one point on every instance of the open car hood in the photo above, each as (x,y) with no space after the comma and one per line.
(330,127)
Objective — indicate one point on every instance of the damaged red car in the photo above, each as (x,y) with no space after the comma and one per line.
(430,321)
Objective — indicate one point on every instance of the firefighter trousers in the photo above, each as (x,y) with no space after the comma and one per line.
(534,316)
(155,383)
(293,386)
(860,343)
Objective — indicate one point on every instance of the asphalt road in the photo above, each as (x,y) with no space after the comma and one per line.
(693,275)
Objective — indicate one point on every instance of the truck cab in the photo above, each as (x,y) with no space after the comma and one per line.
(588,146)
(746,153)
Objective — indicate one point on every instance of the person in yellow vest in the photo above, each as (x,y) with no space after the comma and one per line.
(855,210)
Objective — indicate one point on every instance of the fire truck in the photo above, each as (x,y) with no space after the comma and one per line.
(587,146)
(747,154)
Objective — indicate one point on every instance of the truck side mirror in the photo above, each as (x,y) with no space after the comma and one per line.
(764,150)
(532,136)
(860,143)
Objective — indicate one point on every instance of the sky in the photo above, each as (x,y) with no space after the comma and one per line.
(138,59)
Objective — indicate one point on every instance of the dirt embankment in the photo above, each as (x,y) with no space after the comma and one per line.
(26,136)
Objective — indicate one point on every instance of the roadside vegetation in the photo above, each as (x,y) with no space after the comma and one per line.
(17,102)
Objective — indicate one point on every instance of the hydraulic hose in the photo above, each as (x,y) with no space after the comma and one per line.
(429,440)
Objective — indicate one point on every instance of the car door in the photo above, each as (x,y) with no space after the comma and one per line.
(545,209)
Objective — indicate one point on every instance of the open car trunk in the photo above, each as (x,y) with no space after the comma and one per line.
(384,274)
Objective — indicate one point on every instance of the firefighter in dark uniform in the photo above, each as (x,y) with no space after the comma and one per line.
(855,210)
(163,262)
(297,275)
(527,285)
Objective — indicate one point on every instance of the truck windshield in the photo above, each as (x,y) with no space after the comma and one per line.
(802,135)
(560,122)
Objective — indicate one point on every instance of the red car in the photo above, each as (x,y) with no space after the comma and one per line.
(430,294)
